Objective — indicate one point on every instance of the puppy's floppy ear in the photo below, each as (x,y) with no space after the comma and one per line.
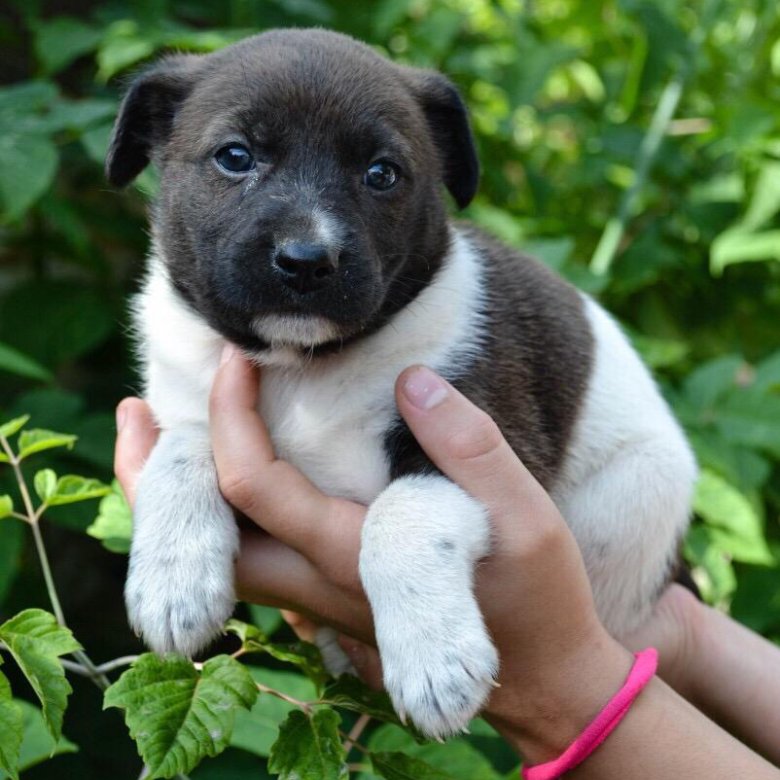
(146,115)
(449,125)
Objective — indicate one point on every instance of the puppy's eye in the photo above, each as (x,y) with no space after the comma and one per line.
(235,159)
(382,175)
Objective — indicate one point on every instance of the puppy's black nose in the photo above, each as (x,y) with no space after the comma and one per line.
(305,267)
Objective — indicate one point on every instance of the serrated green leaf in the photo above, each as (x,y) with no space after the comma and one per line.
(36,640)
(309,748)
(734,524)
(39,439)
(304,655)
(12,426)
(11,729)
(45,483)
(72,488)
(37,744)
(114,523)
(15,362)
(398,766)
(177,715)
(6,506)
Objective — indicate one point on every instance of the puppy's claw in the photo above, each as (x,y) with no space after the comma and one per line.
(495,684)
(402,716)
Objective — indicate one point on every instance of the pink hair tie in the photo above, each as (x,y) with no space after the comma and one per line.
(604,723)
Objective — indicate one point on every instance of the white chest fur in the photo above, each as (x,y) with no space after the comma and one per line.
(329,416)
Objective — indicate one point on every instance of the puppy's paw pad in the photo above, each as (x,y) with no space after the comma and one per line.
(442,685)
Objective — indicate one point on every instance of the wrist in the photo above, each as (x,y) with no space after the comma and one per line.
(542,713)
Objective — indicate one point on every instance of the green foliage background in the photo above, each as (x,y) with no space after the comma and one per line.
(563,96)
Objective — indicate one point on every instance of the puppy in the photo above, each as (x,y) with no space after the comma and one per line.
(301,216)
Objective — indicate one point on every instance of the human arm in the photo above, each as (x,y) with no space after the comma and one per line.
(559,666)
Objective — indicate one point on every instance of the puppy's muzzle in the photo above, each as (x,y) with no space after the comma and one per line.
(305,267)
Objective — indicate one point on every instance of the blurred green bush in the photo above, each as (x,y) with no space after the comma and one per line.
(671,220)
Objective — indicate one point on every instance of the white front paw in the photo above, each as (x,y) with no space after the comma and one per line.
(179,590)
(421,539)
(439,672)
(178,600)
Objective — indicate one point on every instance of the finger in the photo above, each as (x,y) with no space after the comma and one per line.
(466,444)
(303,627)
(136,436)
(365,659)
(270,572)
(271,492)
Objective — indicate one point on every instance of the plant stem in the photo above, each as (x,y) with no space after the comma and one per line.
(356,731)
(613,232)
(304,705)
(108,666)
(33,516)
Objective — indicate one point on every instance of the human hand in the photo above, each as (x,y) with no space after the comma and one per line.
(556,658)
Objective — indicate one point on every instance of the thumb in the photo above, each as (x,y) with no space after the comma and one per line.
(466,444)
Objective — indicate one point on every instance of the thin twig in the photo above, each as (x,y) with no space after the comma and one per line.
(304,705)
(355,732)
(108,666)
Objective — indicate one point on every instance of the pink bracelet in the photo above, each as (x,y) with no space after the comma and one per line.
(604,723)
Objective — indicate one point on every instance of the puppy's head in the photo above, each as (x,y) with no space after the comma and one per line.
(301,182)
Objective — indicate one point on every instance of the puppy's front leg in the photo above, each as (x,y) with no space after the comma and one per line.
(421,539)
(179,588)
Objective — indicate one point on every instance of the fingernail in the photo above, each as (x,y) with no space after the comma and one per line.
(121,417)
(227,353)
(424,389)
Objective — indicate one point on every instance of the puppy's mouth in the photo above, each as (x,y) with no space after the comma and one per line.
(294,330)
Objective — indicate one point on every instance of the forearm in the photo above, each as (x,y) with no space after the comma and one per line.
(736,682)
(662,736)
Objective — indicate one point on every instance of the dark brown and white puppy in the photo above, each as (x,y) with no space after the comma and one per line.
(301,216)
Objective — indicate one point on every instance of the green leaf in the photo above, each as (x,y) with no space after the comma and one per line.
(267,619)
(12,426)
(352,694)
(737,246)
(309,748)
(28,164)
(734,524)
(45,483)
(36,640)
(177,715)
(15,362)
(11,728)
(114,523)
(457,758)
(72,488)
(765,201)
(6,506)
(38,440)
(398,766)
(37,744)
(257,730)
(304,655)
(63,39)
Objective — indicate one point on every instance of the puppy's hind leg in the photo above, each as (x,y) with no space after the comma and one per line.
(179,588)
(421,540)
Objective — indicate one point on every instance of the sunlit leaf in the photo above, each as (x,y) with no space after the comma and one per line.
(114,523)
(37,440)
(178,715)
(72,488)
(12,426)
(45,483)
